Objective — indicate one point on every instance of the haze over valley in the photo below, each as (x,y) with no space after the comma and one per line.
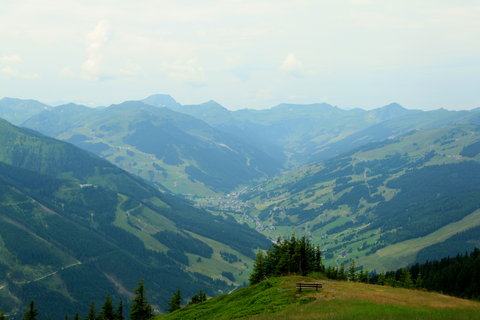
(239,159)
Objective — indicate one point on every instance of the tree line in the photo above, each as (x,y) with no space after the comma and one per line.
(287,256)
(457,276)
(140,308)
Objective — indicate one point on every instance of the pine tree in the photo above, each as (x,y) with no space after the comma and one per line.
(381,279)
(198,298)
(140,309)
(419,281)
(119,314)
(342,274)
(259,269)
(66,316)
(107,312)
(92,314)
(77,317)
(31,313)
(175,301)
(352,276)
(406,279)
(2,316)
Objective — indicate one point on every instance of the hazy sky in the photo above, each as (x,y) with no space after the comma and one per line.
(243,53)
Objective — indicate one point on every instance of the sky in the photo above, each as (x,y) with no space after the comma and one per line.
(243,53)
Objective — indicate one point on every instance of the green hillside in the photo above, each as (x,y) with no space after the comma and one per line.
(168,148)
(277,298)
(382,203)
(74,228)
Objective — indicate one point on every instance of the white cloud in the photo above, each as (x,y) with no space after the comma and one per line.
(292,66)
(189,72)
(95,41)
(13,73)
(13,58)
(67,72)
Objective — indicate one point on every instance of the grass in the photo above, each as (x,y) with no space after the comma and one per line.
(403,253)
(277,299)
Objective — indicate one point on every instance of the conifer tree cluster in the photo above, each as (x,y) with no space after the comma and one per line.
(400,278)
(287,256)
(140,309)
(458,276)
(198,298)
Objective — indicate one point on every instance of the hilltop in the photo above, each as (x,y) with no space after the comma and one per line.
(276,298)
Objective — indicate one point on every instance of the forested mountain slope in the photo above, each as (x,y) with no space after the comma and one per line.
(172,149)
(385,203)
(74,228)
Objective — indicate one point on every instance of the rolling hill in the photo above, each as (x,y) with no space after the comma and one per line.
(385,204)
(170,149)
(277,298)
(74,228)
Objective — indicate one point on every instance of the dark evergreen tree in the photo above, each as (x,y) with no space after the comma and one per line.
(2,316)
(92,313)
(352,275)
(140,309)
(406,279)
(107,312)
(198,298)
(119,314)
(175,301)
(77,317)
(31,313)
(259,269)
(419,281)
(342,273)
(332,273)
(287,256)
(364,276)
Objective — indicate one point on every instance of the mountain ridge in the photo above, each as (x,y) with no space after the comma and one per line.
(76,216)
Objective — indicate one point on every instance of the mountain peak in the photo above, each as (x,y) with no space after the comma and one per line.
(393,106)
(161,100)
(212,104)
(389,111)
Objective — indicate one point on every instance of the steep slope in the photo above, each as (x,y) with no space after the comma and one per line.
(168,148)
(277,299)
(382,203)
(74,227)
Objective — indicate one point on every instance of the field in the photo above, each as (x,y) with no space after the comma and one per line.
(277,299)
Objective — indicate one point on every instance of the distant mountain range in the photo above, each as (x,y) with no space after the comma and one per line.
(206,150)
(74,228)
(171,149)
(363,184)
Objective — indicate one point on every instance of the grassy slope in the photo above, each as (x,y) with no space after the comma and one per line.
(277,299)
(405,252)
(292,190)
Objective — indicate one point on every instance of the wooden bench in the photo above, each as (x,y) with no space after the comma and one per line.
(308,285)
